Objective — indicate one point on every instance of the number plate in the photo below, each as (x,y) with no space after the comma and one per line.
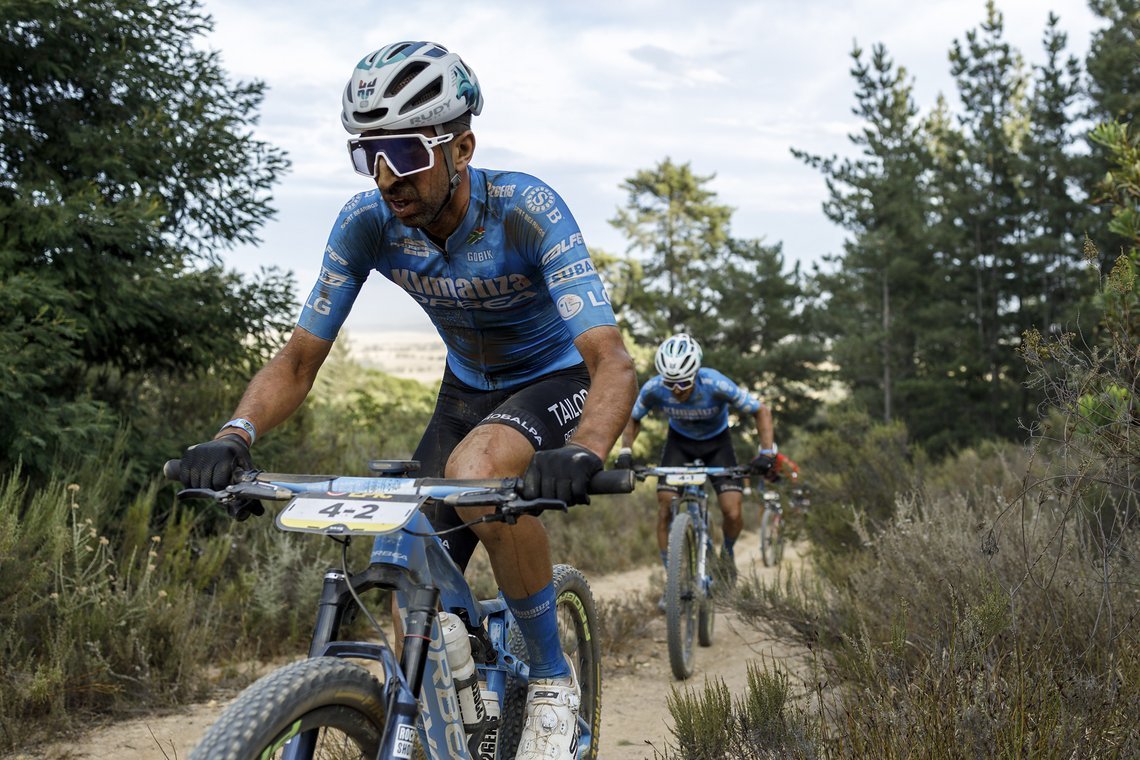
(686,478)
(367,514)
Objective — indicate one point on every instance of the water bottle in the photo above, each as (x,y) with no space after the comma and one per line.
(490,739)
(458,646)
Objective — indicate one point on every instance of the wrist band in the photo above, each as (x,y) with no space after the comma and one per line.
(241,423)
(768,452)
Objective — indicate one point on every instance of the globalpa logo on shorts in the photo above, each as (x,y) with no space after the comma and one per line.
(569,305)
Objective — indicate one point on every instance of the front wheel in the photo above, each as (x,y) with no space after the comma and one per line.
(771,538)
(681,592)
(579,633)
(333,702)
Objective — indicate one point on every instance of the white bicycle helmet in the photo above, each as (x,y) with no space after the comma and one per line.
(678,358)
(409,84)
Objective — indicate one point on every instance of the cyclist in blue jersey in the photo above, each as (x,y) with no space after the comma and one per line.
(537,381)
(696,400)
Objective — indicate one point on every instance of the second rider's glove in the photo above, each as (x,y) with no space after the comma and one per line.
(624,459)
(762,464)
(212,465)
(562,474)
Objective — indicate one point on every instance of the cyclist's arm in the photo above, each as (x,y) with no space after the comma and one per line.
(613,386)
(280,386)
(763,418)
(629,435)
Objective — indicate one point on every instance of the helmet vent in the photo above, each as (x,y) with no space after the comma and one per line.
(374,115)
(408,73)
(426,95)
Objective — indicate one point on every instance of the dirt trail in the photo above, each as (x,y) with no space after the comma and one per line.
(634,692)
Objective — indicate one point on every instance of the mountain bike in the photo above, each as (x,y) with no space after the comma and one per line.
(772,522)
(327,706)
(690,583)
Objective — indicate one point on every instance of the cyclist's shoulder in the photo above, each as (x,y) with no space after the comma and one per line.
(715,378)
(508,188)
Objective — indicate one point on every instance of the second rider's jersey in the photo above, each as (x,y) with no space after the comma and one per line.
(704,413)
(510,291)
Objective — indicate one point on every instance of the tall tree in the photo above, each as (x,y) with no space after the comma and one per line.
(674,223)
(127,163)
(875,289)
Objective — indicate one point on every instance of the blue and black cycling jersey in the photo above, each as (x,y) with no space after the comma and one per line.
(512,288)
(704,414)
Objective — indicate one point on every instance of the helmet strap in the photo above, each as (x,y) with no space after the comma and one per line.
(454,182)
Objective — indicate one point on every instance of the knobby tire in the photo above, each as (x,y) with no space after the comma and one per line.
(681,594)
(339,699)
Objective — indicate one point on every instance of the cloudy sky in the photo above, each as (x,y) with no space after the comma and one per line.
(584,94)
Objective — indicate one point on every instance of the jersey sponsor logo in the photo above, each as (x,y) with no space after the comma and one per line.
(538,199)
(465,293)
(416,247)
(362,210)
(561,247)
(332,279)
(688,413)
(334,256)
(599,300)
(319,304)
(569,408)
(578,269)
(478,256)
(530,220)
(475,236)
(353,202)
(569,305)
(500,191)
(554,216)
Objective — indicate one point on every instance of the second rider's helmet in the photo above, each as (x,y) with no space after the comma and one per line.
(678,359)
(409,84)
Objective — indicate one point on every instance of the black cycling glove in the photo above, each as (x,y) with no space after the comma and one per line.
(562,474)
(624,460)
(761,464)
(212,465)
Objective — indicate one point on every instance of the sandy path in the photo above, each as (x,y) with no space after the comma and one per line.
(634,693)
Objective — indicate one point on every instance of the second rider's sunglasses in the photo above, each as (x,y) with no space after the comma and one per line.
(404,154)
(678,385)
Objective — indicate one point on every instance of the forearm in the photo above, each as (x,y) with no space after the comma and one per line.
(280,386)
(629,434)
(764,428)
(613,388)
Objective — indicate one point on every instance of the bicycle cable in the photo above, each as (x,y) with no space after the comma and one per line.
(344,544)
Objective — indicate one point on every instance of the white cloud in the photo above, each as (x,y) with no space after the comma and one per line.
(585,94)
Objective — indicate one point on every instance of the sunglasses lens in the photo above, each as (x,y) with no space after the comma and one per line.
(679,385)
(404,154)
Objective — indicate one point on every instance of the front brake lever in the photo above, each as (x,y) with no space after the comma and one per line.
(200,493)
(512,510)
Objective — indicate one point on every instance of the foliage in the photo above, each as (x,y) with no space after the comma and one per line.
(127,163)
(710,724)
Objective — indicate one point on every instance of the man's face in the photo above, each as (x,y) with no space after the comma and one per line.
(416,199)
(681,389)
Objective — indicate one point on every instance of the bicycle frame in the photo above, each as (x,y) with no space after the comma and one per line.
(425,578)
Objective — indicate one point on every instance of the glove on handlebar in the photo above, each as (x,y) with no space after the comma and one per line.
(624,460)
(562,474)
(761,464)
(212,465)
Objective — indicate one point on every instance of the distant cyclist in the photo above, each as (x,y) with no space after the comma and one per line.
(538,382)
(696,400)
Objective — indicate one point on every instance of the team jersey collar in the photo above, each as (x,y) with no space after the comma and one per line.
(470,229)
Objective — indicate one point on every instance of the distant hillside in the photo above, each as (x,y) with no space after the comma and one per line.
(411,354)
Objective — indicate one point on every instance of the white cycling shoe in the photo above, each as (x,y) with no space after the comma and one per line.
(551,728)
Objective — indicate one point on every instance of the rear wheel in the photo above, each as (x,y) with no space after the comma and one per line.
(333,702)
(771,538)
(681,590)
(578,631)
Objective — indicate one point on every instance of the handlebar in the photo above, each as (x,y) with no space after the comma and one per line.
(273,486)
(641,472)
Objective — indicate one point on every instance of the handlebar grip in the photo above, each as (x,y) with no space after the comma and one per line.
(172,469)
(612,481)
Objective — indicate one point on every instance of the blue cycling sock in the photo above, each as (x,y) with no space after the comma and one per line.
(665,558)
(728,544)
(538,622)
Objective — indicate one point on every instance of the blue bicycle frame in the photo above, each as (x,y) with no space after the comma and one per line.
(425,577)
